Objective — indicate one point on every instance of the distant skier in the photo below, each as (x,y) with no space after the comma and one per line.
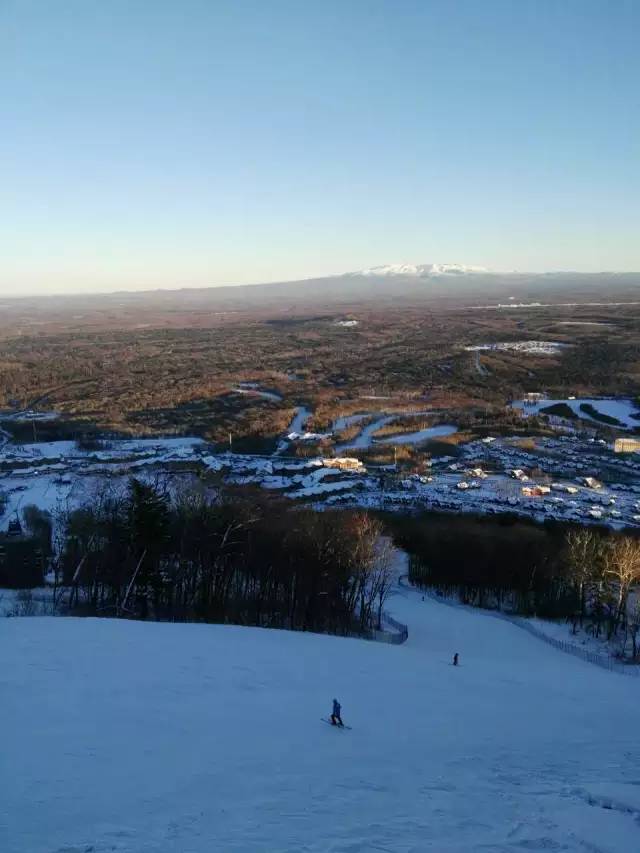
(336,719)
(455,659)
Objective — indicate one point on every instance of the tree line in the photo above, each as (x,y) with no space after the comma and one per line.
(149,555)
(587,576)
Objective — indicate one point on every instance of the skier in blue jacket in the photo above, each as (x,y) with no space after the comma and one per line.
(336,719)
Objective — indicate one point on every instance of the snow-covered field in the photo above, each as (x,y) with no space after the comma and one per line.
(57,476)
(527,347)
(162,738)
(622,410)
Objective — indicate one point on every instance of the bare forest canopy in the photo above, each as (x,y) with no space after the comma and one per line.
(171,362)
(203,307)
(248,562)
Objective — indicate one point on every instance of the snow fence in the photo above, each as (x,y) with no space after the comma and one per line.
(608,663)
(398,635)
(591,657)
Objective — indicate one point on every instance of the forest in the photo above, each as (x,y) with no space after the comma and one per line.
(584,575)
(150,373)
(229,559)
(238,556)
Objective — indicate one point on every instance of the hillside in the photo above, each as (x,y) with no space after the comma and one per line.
(426,287)
(135,737)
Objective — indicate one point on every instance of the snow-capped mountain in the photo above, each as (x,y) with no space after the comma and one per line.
(419,270)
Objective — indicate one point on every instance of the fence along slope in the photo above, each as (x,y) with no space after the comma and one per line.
(590,657)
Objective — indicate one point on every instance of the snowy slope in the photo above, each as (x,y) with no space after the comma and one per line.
(161,738)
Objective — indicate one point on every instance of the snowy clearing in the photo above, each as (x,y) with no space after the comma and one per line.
(163,738)
(528,347)
(624,411)
(253,389)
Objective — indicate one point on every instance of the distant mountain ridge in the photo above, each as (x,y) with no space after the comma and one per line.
(427,286)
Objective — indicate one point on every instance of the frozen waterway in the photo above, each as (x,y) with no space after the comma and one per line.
(252,388)
(419,435)
(367,437)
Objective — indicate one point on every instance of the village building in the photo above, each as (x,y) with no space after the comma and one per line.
(344,463)
(626,445)
(534,397)
(591,483)
(535,491)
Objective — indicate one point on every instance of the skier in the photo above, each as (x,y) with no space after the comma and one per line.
(336,719)
(455,659)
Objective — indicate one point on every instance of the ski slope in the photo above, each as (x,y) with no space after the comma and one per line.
(164,738)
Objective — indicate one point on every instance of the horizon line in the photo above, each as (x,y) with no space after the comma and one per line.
(364,273)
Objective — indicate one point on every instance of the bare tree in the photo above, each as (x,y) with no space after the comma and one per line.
(583,554)
(633,629)
(622,569)
(381,578)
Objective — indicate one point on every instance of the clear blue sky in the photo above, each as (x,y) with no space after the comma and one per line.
(146,143)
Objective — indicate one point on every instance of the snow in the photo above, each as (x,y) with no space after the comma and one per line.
(62,476)
(300,416)
(118,448)
(164,738)
(72,477)
(366,438)
(420,270)
(561,631)
(419,435)
(316,489)
(620,409)
(583,323)
(30,415)
(348,420)
(308,436)
(552,305)
(252,388)
(527,347)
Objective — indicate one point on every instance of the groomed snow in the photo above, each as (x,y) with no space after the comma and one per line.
(164,738)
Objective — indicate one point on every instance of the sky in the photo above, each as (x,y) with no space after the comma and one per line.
(156,144)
